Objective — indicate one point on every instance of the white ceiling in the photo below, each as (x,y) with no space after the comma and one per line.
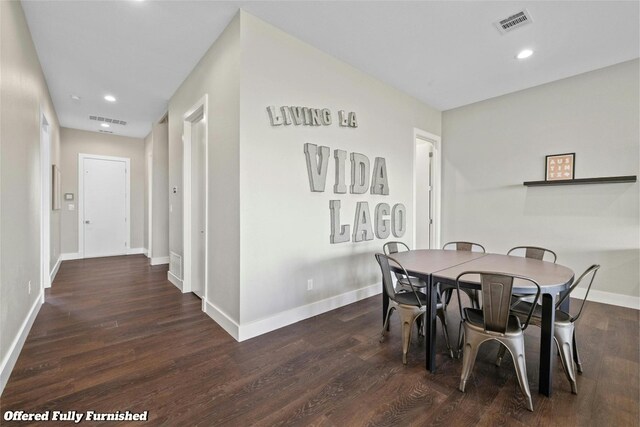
(445,53)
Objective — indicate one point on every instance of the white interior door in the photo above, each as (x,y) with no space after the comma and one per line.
(198,199)
(105,207)
(424,208)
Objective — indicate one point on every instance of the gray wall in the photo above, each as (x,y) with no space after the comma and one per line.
(217,74)
(74,142)
(491,147)
(148,164)
(160,211)
(23,94)
(157,158)
(285,227)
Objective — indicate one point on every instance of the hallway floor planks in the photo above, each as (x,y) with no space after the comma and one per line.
(114,334)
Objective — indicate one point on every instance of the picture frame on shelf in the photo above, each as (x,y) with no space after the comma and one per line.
(560,167)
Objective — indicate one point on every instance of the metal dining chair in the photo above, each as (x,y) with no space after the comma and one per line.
(532,252)
(469,247)
(464,246)
(402,282)
(405,283)
(410,304)
(564,326)
(494,322)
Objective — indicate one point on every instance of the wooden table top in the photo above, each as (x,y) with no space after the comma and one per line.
(424,262)
(551,277)
(445,266)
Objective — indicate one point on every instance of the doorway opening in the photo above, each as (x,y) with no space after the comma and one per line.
(45,204)
(196,201)
(104,227)
(426,190)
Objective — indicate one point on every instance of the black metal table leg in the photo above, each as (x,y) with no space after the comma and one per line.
(430,327)
(546,344)
(385,306)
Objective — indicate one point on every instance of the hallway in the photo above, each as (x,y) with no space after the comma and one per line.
(114,334)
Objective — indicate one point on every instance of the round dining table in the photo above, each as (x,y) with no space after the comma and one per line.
(443,266)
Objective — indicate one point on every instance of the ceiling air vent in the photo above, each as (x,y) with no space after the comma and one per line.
(514,21)
(108,120)
(104,131)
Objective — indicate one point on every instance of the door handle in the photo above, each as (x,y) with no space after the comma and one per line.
(87,222)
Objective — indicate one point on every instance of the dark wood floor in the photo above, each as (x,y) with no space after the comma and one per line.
(113,334)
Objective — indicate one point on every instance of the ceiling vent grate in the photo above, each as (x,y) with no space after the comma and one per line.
(514,21)
(104,131)
(108,120)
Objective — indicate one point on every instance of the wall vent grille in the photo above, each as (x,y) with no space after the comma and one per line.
(175,264)
(514,21)
(108,120)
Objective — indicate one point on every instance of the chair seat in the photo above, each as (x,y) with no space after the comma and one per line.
(415,282)
(523,307)
(409,298)
(475,319)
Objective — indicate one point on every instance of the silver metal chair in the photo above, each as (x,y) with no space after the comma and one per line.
(494,322)
(564,326)
(405,283)
(469,247)
(532,252)
(411,305)
(464,246)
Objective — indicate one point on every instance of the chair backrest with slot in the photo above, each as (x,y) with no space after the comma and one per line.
(385,262)
(533,252)
(496,291)
(464,246)
(390,248)
(589,274)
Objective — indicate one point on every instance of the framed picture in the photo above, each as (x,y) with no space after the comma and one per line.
(55,188)
(560,167)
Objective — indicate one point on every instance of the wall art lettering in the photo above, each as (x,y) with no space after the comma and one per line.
(307,116)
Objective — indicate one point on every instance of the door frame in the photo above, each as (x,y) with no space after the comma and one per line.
(436,174)
(149,178)
(127,161)
(193,114)
(45,203)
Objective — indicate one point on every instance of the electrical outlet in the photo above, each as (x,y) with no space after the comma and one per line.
(309,284)
(29,287)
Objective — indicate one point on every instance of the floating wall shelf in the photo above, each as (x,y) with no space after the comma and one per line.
(599,180)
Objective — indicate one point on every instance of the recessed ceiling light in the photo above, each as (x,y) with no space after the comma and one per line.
(104,125)
(110,98)
(524,54)
(75,97)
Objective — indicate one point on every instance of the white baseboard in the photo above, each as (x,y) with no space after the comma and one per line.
(160,260)
(608,298)
(54,270)
(70,256)
(222,319)
(175,280)
(11,357)
(77,255)
(262,326)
